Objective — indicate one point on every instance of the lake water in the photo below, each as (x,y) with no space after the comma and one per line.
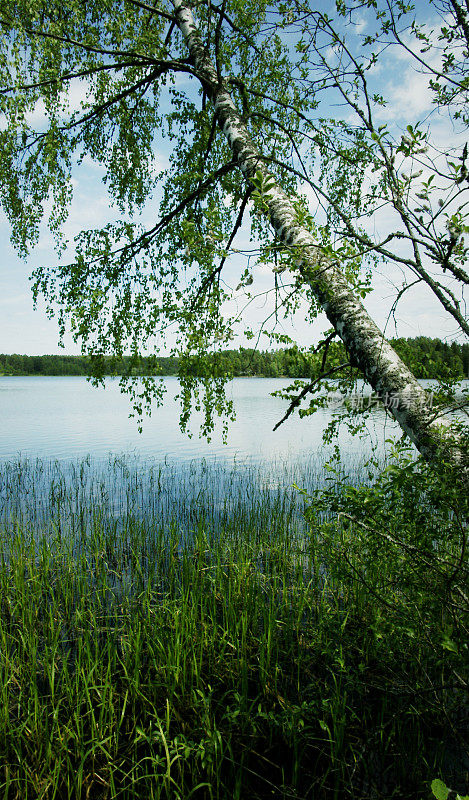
(69,452)
(65,418)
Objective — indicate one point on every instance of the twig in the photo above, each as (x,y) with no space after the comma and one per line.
(309,388)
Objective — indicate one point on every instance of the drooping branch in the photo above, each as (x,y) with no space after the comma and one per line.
(415,55)
(400,294)
(100,108)
(309,388)
(216,272)
(88,48)
(188,199)
(68,76)
(126,253)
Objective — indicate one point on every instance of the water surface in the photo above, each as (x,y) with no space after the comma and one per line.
(69,454)
(66,418)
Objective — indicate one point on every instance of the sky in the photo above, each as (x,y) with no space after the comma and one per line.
(29,331)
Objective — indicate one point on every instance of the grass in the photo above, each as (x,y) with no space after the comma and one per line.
(190,633)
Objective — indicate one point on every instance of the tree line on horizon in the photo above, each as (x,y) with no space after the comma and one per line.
(426,357)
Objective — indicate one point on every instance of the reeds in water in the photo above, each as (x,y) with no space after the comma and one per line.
(175,633)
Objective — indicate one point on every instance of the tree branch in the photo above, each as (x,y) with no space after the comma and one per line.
(152,9)
(66,40)
(210,278)
(309,388)
(68,76)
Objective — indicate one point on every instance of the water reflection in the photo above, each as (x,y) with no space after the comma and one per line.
(66,418)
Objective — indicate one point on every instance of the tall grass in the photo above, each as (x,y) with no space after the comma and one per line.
(179,633)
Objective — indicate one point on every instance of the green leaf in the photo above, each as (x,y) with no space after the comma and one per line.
(439,789)
(448,644)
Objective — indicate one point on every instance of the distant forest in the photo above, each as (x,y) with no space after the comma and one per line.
(427,358)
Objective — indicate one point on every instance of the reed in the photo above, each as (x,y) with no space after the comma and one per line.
(195,632)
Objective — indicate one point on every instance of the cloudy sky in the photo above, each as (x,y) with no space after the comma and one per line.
(24,330)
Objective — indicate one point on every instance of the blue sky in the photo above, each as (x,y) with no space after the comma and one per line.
(24,330)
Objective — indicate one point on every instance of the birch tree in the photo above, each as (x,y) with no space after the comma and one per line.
(235,88)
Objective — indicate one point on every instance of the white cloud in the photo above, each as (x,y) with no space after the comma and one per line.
(15,300)
(409,98)
(359,24)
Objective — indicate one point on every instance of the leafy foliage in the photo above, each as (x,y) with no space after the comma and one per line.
(105,82)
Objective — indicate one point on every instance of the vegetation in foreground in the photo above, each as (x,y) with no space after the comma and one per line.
(228,648)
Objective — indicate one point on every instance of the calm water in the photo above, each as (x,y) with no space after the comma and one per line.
(69,452)
(65,418)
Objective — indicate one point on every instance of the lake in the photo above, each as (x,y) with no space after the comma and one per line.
(65,418)
(69,450)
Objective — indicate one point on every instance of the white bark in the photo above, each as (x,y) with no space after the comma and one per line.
(368,348)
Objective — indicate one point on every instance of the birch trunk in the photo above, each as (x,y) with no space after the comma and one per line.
(368,348)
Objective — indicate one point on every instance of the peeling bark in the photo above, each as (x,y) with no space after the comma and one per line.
(388,375)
